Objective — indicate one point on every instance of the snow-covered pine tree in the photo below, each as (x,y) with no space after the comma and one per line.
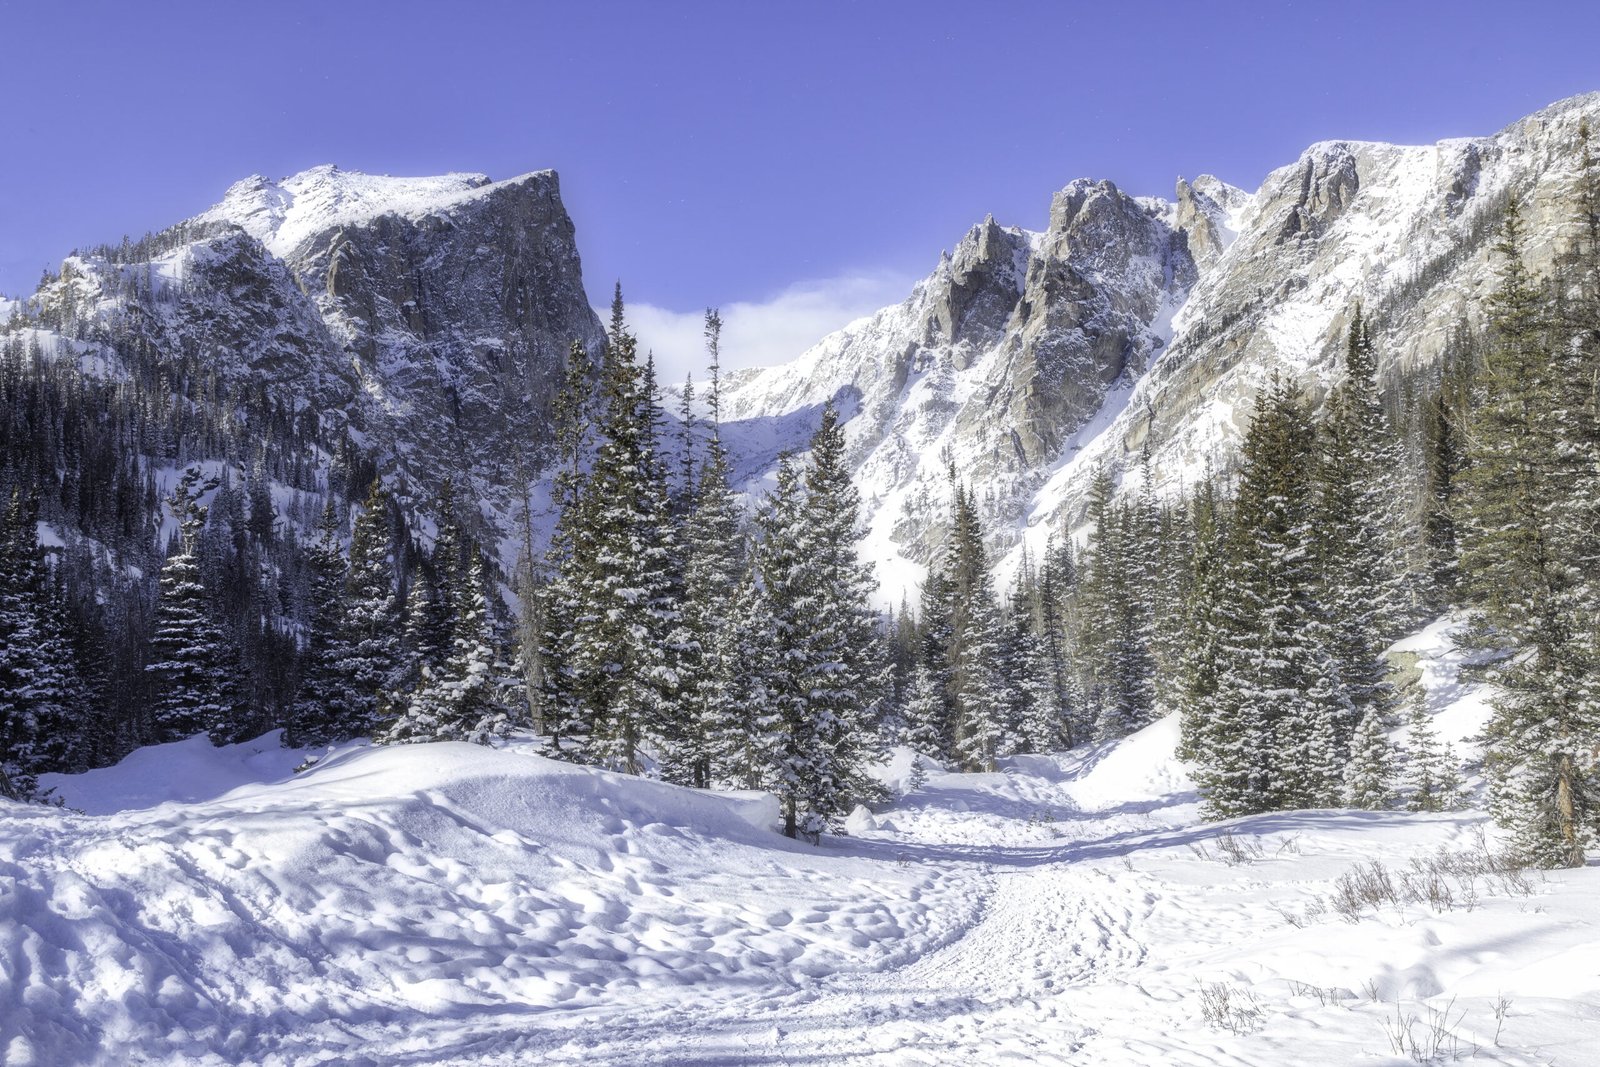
(451,576)
(569,561)
(1358,534)
(619,672)
(980,694)
(192,663)
(1369,774)
(422,645)
(749,737)
(1204,726)
(323,711)
(1431,776)
(1057,585)
(708,659)
(1269,739)
(844,671)
(1444,416)
(370,619)
(467,697)
(779,557)
(935,646)
(42,696)
(1038,716)
(1118,600)
(924,712)
(1525,497)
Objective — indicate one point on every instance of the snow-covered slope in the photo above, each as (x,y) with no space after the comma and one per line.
(452,904)
(999,358)
(1137,329)
(283,215)
(418,325)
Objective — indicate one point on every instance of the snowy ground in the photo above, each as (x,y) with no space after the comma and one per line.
(447,904)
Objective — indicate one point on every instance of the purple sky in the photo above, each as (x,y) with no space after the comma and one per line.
(723,152)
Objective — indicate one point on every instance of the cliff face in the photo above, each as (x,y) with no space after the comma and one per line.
(1000,359)
(426,319)
(1137,329)
(1409,232)
(424,322)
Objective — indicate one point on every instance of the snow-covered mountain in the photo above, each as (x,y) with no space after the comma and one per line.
(1134,328)
(422,321)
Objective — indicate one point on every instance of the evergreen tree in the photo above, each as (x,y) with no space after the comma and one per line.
(980,696)
(1117,595)
(1269,739)
(43,699)
(748,737)
(1358,526)
(466,698)
(323,711)
(826,686)
(1444,415)
(619,674)
(1369,776)
(569,561)
(1204,723)
(193,665)
(924,712)
(1057,585)
(1432,777)
(843,668)
(709,663)
(1525,498)
(369,622)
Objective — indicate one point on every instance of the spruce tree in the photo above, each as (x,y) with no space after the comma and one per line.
(844,670)
(569,561)
(1358,527)
(467,697)
(43,700)
(618,677)
(1369,775)
(1431,776)
(1269,738)
(1525,497)
(193,665)
(1204,724)
(708,658)
(924,712)
(748,736)
(980,695)
(323,709)
(369,623)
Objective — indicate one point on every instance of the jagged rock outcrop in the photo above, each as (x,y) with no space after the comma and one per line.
(427,320)
(1142,330)
(995,362)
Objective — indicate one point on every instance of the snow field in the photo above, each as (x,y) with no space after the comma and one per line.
(450,904)
(300,920)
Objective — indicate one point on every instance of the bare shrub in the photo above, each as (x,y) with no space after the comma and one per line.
(1230,1008)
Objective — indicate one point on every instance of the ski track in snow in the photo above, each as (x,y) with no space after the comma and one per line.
(448,905)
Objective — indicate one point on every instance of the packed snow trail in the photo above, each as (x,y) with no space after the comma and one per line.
(435,904)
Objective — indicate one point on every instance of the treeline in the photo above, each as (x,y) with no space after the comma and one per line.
(671,630)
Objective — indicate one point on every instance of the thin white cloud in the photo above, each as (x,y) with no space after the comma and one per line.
(762,334)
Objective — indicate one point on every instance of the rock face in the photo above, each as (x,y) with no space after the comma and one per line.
(1136,333)
(426,319)
(999,359)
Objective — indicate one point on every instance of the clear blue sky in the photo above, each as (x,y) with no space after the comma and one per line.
(718,152)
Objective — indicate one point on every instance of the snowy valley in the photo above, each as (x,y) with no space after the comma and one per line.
(1167,637)
(447,904)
